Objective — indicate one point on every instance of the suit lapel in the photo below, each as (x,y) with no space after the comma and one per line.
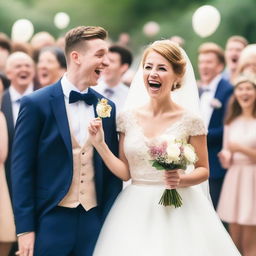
(90,90)
(59,110)
(218,91)
(7,110)
(216,96)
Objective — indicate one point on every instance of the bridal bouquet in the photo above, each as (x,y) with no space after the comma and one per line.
(170,155)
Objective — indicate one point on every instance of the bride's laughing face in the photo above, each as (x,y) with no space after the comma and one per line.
(158,75)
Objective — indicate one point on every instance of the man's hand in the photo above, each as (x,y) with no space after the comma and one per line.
(26,244)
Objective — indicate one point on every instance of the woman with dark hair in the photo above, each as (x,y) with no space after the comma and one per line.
(237,200)
(51,65)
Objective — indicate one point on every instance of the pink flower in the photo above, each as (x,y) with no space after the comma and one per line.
(156,151)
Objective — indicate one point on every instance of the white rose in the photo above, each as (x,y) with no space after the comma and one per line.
(189,154)
(173,152)
(167,138)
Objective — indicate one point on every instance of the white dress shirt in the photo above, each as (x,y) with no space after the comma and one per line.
(206,99)
(15,99)
(79,113)
(118,95)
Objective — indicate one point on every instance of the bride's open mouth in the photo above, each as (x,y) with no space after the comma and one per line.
(154,85)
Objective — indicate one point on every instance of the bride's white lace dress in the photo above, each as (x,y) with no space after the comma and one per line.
(138,226)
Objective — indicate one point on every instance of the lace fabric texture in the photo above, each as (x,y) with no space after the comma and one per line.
(138,225)
(136,143)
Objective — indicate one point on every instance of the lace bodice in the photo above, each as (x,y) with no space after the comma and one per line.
(136,143)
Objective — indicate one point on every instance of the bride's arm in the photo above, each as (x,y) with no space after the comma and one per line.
(201,171)
(119,166)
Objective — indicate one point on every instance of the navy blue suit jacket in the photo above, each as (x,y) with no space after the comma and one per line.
(215,129)
(42,162)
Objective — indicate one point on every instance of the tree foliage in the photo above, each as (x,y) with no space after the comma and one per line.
(174,17)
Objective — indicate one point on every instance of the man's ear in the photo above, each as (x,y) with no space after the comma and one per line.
(220,67)
(75,57)
(124,67)
(8,73)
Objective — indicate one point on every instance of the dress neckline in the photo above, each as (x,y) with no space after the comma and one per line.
(169,127)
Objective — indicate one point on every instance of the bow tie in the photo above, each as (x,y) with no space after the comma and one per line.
(89,98)
(108,92)
(205,89)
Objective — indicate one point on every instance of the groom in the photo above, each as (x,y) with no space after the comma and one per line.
(62,191)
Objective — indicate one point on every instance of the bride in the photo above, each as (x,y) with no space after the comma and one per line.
(137,225)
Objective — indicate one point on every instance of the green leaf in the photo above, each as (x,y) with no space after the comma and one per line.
(158,166)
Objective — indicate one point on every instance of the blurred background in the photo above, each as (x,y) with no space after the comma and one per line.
(130,16)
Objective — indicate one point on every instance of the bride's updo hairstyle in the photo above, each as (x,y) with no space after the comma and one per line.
(172,53)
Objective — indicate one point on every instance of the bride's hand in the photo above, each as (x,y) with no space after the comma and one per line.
(96,133)
(172,179)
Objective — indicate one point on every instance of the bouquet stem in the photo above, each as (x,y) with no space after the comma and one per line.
(171,197)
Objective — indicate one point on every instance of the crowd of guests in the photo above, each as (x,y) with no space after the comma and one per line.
(227,89)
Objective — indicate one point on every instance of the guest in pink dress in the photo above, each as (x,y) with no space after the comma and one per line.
(237,201)
(7,227)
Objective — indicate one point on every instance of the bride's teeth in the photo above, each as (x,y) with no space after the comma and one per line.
(154,84)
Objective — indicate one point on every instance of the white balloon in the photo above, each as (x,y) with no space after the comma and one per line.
(206,20)
(151,28)
(22,30)
(61,20)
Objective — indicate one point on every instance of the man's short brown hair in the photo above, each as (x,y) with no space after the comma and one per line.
(239,39)
(212,48)
(82,33)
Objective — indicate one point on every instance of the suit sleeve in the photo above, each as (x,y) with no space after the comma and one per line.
(215,135)
(23,171)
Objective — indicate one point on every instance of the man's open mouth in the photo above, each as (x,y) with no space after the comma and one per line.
(24,76)
(234,59)
(44,74)
(97,71)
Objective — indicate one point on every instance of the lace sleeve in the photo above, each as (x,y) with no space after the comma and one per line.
(196,126)
(120,123)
